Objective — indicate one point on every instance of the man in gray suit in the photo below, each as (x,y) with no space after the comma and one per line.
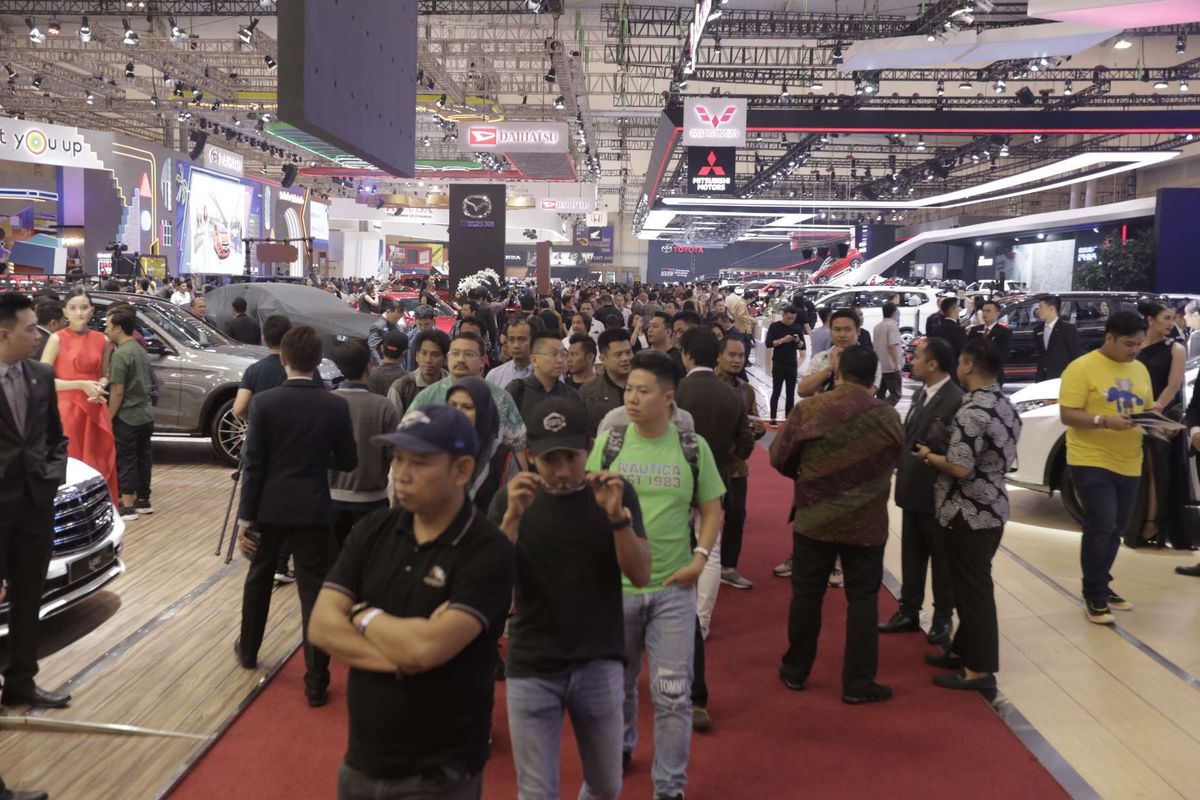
(924,540)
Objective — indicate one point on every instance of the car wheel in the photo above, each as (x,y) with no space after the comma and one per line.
(1070,499)
(228,433)
(906,336)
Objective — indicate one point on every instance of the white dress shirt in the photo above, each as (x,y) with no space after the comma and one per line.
(507,372)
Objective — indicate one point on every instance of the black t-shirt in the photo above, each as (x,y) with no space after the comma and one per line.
(268,373)
(569,606)
(405,726)
(785,355)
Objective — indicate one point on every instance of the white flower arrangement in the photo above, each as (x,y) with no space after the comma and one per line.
(477,279)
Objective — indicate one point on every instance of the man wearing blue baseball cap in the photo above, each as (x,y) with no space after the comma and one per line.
(415,604)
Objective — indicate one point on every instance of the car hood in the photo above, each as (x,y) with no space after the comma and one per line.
(78,472)
(1045,390)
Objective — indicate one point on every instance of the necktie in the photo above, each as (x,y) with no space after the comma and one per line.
(14,392)
(1046,337)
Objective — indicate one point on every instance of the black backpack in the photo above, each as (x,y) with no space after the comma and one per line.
(687,439)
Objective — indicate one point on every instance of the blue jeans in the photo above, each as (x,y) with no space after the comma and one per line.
(1107,500)
(663,624)
(592,694)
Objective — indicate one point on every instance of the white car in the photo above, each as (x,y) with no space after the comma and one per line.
(1042,448)
(88,537)
(916,304)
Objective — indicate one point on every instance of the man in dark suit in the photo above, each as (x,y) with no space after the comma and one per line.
(296,434)
(948,327)
(720,416)
(923,539)
(50,320)
(33,464)
(1192,420)
(993,331)
(242,328)
(1056,340)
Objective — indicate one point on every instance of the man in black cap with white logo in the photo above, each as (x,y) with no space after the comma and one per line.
(576,534)
(415,604)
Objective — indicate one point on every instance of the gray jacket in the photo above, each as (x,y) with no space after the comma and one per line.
(371,415)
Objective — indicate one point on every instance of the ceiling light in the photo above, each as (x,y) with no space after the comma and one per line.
(246,33)
(178,34)
(560,102)
(682,85)
(441,101)
(921,145)
(1181,43)
(85,31)
(55,28)
(551,75)
(88,97)
(715,14)
(154,101)
(999,86)
(1041,236)
(965,86)
(131,38)
(128,69)
(818,86)
(1183,85)
(783,92)
(978,243)
(941,88)
(37,81)
(35,34)
(1037,137)
(1161,83)
(270,62)
(1067,91)
(837,53)
(1004,150)
(1122,44)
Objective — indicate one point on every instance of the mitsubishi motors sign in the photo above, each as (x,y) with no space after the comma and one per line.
(714,122)
(517,137)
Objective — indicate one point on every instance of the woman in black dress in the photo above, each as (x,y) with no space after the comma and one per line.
(1164,359)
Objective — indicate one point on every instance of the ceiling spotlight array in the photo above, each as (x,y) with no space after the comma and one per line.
(85,31)
(246,32)
(131,38)
(35,33)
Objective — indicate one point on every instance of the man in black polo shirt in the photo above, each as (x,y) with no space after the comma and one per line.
(415,604)
(549,359)
(576,534)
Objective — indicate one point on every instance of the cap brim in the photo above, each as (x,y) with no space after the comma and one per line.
(540,447)
(407,442)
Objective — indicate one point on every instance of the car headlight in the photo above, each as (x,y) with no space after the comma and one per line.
(1033,405)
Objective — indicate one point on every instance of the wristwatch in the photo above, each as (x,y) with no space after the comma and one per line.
(702,551)
(356,609)
(1098,421)
(623,522)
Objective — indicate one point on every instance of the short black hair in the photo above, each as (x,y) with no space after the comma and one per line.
(984,355)
(790,309)
(701,346)
(11,305)
(730,339)
(540,336)
(661,365)
(1125,323)
(947,305)
(857,364)
(473,321)
(1150,308)
(609,336)
(386,304)
(274,328)
(990,302)
(589,344)
(301,348)
(940,351)
(470,337)
(434,335)
(48,311)
(123,318)
(664,316)
(239,305)
(526,321)
(1052,300)
(587,321)
(823,315)
(845,313)
(889,309)
(690,317)
(351,358)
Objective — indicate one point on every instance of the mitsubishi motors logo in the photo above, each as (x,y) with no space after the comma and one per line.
(716,120)
(711,168)
(483,137)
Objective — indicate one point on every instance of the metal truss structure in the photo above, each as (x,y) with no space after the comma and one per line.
(230,8)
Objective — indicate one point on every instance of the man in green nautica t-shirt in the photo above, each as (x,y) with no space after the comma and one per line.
(661,618)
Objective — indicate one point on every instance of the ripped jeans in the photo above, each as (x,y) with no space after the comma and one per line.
(663,624)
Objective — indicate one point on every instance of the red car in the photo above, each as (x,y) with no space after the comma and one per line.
(445,316)
(833,268)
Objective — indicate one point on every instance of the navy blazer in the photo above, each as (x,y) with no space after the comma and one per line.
(33,462)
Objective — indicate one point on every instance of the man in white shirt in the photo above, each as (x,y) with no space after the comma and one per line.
(820,370)
(518,338)
(890,350)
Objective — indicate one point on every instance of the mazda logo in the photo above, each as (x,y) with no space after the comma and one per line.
(477,206)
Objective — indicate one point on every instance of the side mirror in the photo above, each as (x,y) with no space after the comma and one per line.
(156,348)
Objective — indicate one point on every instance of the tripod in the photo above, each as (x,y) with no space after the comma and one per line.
(236,478)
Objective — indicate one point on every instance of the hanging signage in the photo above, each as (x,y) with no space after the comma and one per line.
(696,28)
(711,170)
(714,121)
(291,197)
(477,229)
(567,205)
(218,159)
(41,143)
(517,137)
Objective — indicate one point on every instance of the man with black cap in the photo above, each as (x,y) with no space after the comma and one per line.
(391,368)
(415,604)
(576,535)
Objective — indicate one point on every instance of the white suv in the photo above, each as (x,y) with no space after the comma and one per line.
(916,304)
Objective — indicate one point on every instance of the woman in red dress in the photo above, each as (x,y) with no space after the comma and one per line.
(80,360)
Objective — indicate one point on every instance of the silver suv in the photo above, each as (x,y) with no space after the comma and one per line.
(198,368)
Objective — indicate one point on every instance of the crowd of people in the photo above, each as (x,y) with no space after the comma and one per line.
(572,471)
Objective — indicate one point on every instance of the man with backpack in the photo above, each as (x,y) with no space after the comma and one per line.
(670,472)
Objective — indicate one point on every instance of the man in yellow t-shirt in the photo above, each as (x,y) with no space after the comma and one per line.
(1100,393)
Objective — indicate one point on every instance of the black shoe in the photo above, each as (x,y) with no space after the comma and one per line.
(791,681)
(1193,572)
(940,633)
(959,680)
(12,794)
(668,797)
(285,575)
(317,697)
(246,661)
(871,693)
(143,506)
(900,623)
(36,697)
(127,513)
(943,660)
(626,759)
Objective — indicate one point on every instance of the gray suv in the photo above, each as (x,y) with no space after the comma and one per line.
(198,368)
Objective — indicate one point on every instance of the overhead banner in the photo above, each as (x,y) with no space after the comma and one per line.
(714,121)
(477,219)
(568,205)
(517,137)
(711,170)
(41,143)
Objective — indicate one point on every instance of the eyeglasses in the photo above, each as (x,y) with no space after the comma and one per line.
(557,355)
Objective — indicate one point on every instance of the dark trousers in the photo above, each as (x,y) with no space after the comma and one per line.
(977,639)
(312,545)
(444,784)
(735,521)
(812,561)
(924,541)
(782,375)
(1107,500)
(134,459)
(347,515)
(889,387)
(26,536)
(699,685)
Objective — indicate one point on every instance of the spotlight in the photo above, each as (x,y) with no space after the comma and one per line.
(560,103)
(35,34)
(270,62)
(128,69)
(1025,96)
(55,28)
(246,33)
(1122,44)
(783,92)
(1180,43)
(178,34)
(37,81)
(1161,83)
(85,31)
(1004,150)
(837,53)
(131,38)
(551,75)
(441,102)
(1037,138)
(999,86)
(154,101)
(1067,91)
(921,145)
(196,93)
(1183,85)
(818,86)
(88,97)
(965,86)
(941,88)
(1145,76)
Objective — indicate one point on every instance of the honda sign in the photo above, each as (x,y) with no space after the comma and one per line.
(714,121)
(517,137)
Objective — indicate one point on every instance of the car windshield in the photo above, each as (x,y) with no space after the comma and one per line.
(410,303)
(182,326)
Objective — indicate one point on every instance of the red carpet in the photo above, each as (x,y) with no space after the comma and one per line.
(768,742)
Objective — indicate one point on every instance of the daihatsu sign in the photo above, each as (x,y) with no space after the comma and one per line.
(517,137)
(714,122)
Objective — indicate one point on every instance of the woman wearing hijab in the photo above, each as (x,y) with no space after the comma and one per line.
(472,397)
